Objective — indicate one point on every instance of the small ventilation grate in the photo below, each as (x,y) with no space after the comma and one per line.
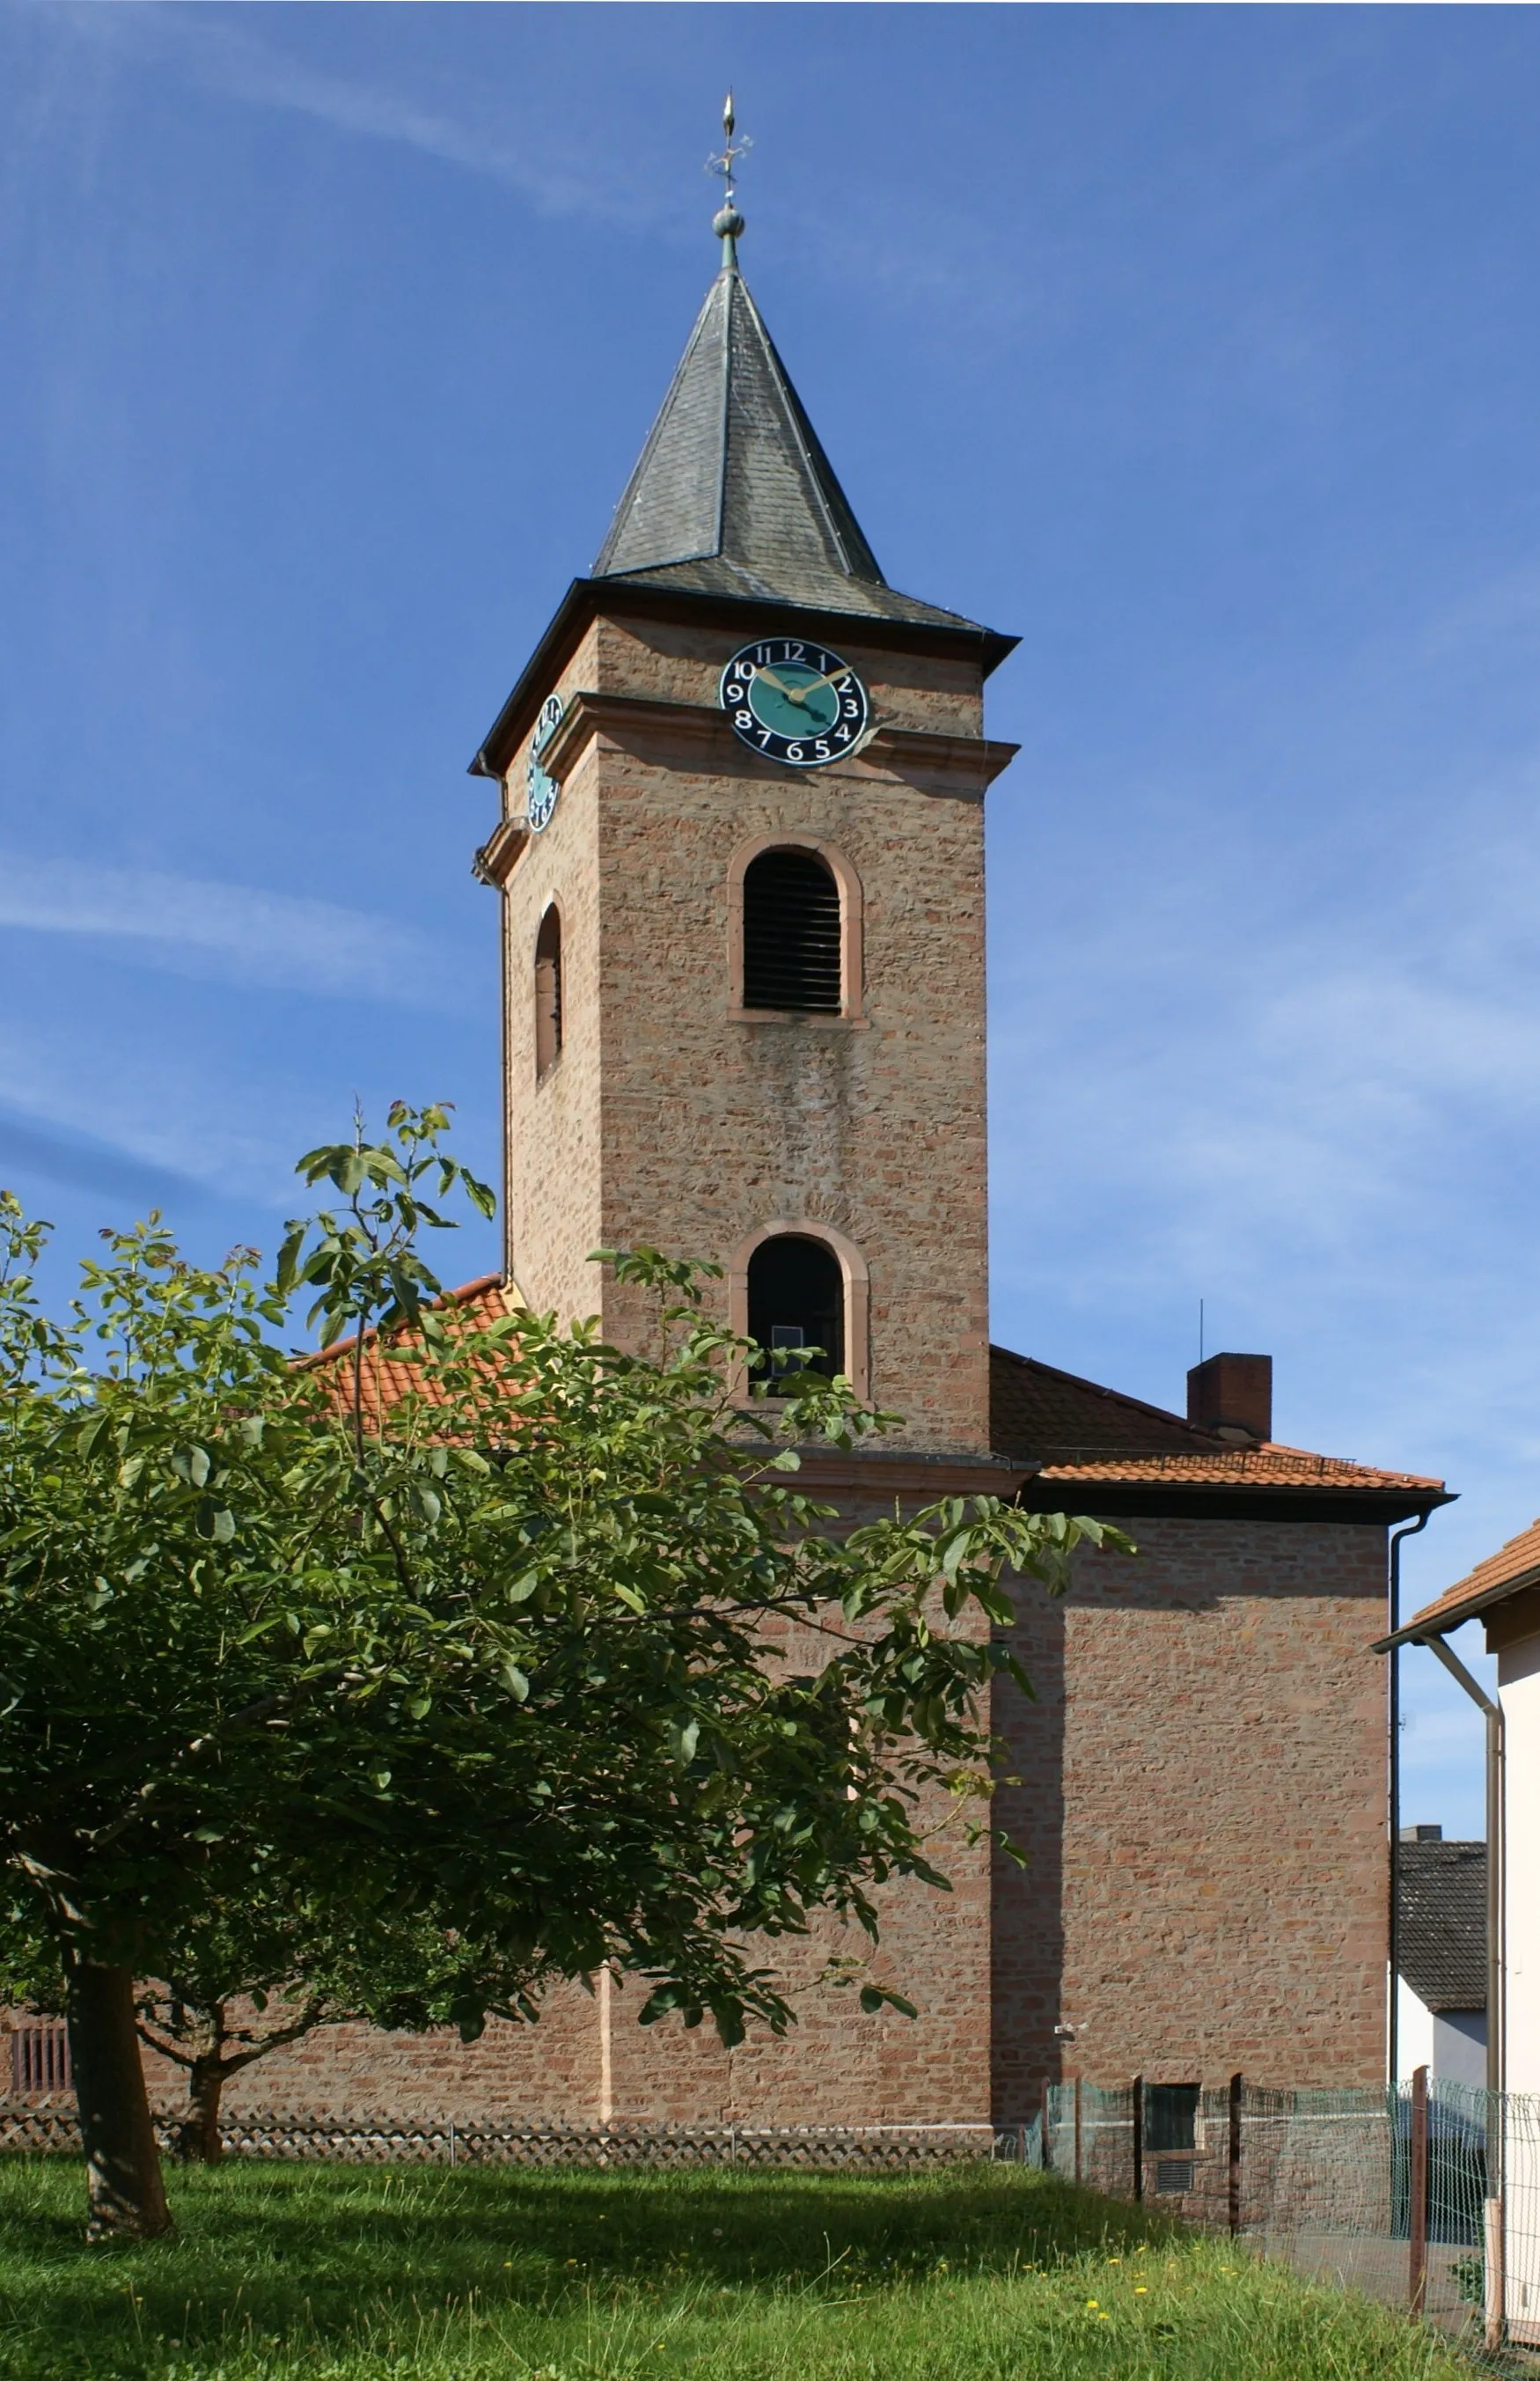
(40,2060)
(1173,2174)
(791,934)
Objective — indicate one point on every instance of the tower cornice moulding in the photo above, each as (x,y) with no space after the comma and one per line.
(959,767)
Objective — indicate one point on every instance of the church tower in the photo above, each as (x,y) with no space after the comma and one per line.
(741,861)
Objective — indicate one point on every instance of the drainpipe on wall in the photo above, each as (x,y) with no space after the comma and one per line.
(1495,2230)
(1392,2031)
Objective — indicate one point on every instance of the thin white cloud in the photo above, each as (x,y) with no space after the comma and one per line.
(164,1108)
(515,148)
(278,941)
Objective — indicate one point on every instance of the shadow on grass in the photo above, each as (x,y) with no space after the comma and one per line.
(276,2249)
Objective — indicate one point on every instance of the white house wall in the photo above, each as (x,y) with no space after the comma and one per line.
(1413,2032)
(1518,1692)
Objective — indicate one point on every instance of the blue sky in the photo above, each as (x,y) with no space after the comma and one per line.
(1198,346)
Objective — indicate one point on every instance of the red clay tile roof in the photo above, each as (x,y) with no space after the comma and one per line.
(484,1300)
(1078,1431)
(1071,1431)
(1513,1567)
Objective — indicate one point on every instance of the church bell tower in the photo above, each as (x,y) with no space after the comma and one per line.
(740,859)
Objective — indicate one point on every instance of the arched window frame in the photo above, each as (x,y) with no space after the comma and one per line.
(546,1057)
(852,958)
(857,1290)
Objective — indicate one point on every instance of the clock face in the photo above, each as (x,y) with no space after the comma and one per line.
(541,790)
(795,702)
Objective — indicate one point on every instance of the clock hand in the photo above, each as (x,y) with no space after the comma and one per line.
(798,694)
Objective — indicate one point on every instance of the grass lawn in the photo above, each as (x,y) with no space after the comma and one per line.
(347,2274)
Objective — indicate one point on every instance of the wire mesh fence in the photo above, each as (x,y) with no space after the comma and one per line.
(1427,2197)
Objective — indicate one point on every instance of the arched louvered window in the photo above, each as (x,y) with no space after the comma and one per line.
(796,1298)
(548,992)
(792,956)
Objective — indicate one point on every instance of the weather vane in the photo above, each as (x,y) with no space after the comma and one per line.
(728,223)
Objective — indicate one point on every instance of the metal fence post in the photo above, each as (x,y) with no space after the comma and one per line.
(1237,2093)
(451,2141)
(1077,2152)
(1138,2137)
(1417,2263)
(1047,2127)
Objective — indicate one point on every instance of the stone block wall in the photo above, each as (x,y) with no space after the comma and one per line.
(1202,1800)
(669,1121)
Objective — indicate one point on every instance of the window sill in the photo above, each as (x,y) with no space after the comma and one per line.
(820,1019)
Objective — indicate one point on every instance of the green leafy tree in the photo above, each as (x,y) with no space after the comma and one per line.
(540,1642)
(251,1977)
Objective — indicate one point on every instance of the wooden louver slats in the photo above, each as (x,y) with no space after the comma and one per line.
(791,934)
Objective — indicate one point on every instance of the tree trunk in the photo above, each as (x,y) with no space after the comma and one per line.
(197,2136)
(124,2191)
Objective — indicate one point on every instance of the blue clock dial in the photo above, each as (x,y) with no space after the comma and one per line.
(795,702)
(540,789)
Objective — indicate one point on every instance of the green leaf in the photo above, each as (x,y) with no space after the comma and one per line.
(682,1740)
(287,1274)
(878,1997)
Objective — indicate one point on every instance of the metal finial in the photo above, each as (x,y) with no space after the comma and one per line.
(728,223)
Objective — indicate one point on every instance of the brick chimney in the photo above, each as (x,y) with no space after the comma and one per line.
(1233,1396)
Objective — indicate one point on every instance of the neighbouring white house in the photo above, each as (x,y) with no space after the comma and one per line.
(1440,1958)
(1503,1593)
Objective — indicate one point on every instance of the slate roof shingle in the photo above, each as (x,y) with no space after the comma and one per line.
(1441,1937)
(734,493)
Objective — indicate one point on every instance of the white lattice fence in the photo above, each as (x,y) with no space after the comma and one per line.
(386,2140)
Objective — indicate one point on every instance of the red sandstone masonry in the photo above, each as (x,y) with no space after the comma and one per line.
(1202,1800)
(667,1120)
(1202,1776)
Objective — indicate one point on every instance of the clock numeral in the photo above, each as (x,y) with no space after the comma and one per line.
(832,708)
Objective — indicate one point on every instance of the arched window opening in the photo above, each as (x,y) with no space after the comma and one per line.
(796,1298)
(790,932)
(548,992)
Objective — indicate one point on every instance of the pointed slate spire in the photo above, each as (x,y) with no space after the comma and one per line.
(733,494)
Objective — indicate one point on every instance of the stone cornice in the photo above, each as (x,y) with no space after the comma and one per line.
(961,767)
(897,1471)
(495,863)
(740,617)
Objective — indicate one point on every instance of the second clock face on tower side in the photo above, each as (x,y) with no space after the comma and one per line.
(795,702)
(540,789)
